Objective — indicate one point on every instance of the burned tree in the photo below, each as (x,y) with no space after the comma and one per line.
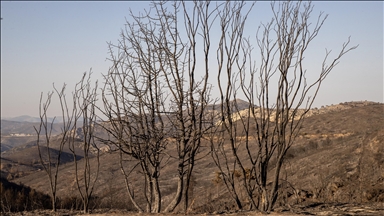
(134,103)
(51,163)
(84,107)
(154,97)
(82,135)
(278,95)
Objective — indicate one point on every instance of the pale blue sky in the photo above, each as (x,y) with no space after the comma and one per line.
(55,42)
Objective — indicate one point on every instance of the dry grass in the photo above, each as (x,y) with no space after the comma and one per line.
(335,165)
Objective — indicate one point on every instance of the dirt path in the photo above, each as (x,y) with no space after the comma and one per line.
(319,209)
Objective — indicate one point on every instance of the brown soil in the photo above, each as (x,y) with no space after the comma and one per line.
(313,209)
(338,158)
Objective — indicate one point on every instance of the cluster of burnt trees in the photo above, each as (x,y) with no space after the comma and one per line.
(14,197)
(158,93)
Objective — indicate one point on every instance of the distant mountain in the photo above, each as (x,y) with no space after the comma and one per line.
(15,133)
(16,128)
(26,118)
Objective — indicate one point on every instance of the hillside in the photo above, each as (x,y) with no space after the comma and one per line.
(337,158)
(19,133)
(24,160)
(18,129)
(14,133)
(27,118)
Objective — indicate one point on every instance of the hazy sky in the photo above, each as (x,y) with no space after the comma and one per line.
(56,42)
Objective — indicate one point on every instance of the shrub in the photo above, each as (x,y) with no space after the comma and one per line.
(17,197)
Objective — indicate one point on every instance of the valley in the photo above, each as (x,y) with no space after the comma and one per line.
(335,165)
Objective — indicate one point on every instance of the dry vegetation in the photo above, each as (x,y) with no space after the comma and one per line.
(335,167)
(161,143)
